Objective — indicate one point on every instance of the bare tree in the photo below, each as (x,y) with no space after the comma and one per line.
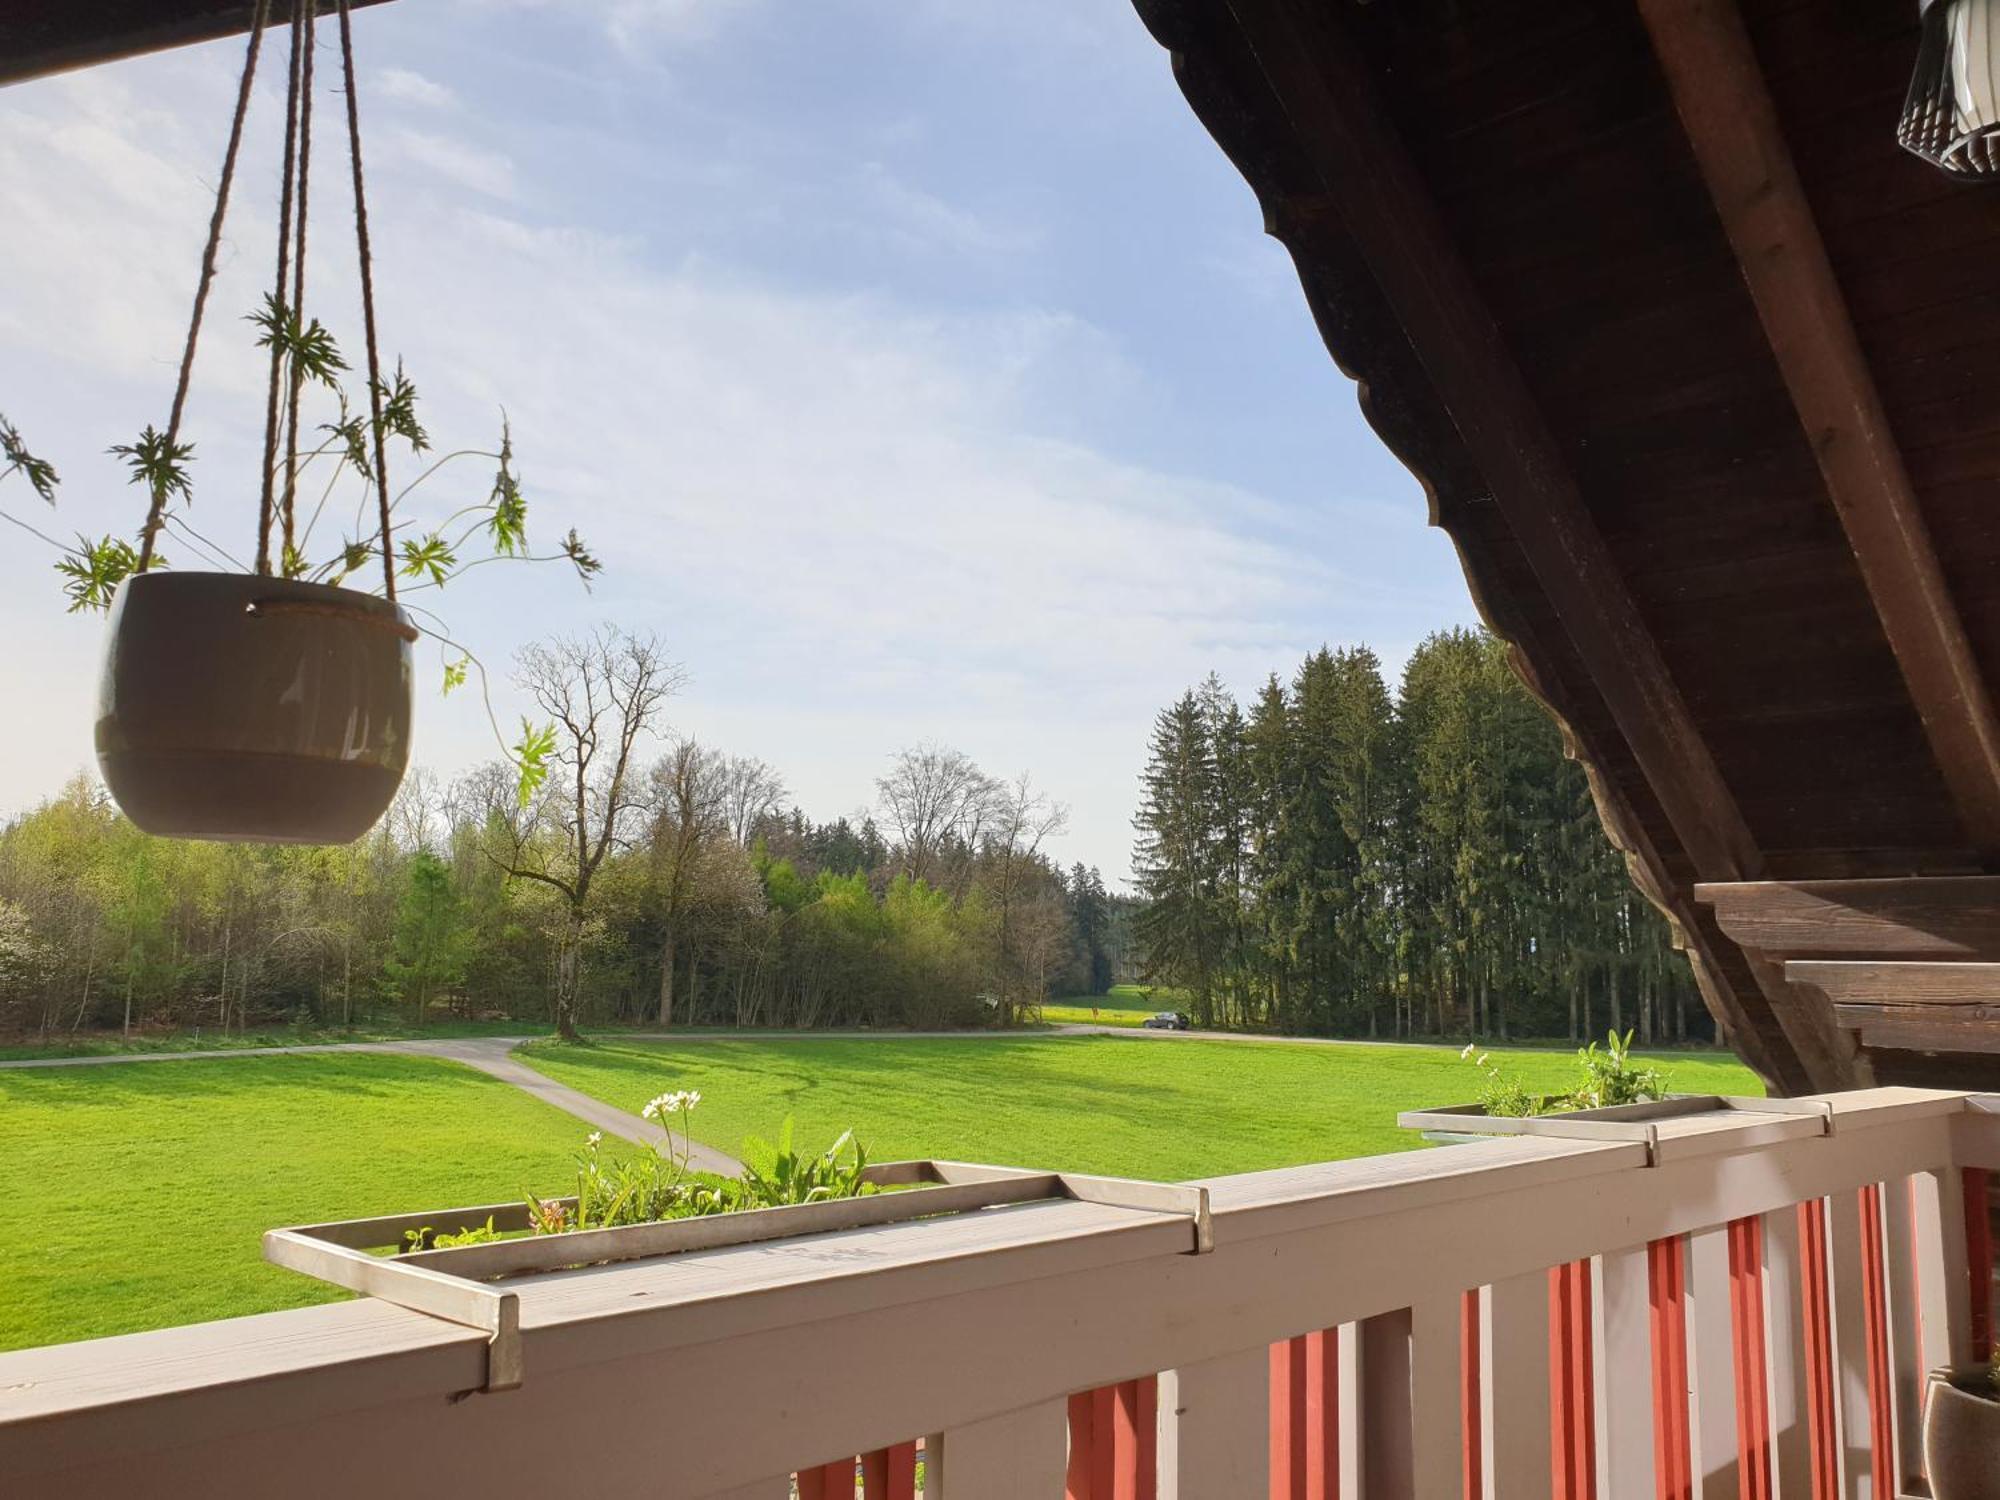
(691,807)
(1021,821)
(751,792)
(602,692)
(413,820)
(936,797)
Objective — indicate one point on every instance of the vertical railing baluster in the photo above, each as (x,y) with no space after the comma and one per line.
(1673,1387)
(1572,1382)
(1218,1441)
(1875,1302)
(1022,1453)
(1821,1378)
(1903,1276)
(1625,1433)
(1750,1358)
(1289,1420)
(1711,1365)
(1847,1288)
(1786,1363)
(1514,1386)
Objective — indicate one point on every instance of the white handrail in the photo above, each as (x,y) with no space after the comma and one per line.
(719,1373)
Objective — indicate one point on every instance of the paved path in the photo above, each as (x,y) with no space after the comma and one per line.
(489,1054)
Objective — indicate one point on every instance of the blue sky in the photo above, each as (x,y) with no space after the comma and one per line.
(919,368)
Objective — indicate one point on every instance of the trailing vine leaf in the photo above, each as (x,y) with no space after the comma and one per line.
(428,557)
(39,473)
(308,348)
(92,571)
(531,753)
(354,556)
(159,465)
(294,564)
(353,435)
(508,524)
(454,673)
(576,552)
(399,410)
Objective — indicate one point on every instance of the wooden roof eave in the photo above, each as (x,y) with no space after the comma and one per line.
(40,37)
(1395,312)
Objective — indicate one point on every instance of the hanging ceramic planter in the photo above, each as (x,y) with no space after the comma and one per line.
(264,707)
(275,705)
(239,707)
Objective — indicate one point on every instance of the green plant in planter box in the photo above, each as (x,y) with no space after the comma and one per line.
(1610,1077)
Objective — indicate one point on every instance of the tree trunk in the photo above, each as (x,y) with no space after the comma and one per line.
(568,964)
(667,979)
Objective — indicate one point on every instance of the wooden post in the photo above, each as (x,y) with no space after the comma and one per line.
(1002,1458)
(1514,1387)
(1221,1430)
(1625,1362)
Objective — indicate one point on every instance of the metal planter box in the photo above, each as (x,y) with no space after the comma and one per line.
(462,1284)
(1710,1123)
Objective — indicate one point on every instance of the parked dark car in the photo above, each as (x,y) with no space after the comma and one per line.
(1167,1020)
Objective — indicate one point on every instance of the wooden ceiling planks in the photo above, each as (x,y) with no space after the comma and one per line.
(1732,125)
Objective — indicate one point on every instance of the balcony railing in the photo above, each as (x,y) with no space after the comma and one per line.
(1745,1305)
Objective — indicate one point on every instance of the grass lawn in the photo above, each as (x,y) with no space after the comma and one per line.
(110,1043)
(136,1195)
(1125,1005)
(1149,1108)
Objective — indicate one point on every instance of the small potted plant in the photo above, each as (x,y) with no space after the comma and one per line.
(1962,1433)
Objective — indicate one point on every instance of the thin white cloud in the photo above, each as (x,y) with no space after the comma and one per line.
(635,24)
(458,161)
(408,86)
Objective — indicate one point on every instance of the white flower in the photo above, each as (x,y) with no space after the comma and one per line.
(671,1104)
(594,1139)
(1482,1060)
(1466,1053)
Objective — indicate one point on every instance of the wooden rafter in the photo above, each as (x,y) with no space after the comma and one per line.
(1370,182)
(1378,194)
(1732,125)
(1898,981)
(1934,917)
(38,37)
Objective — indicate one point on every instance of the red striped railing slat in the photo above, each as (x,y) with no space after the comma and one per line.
(1822,1434)
(834,1481)
(1472,1445)
(1746,1328)
(1572,1384)
(1305,1417)
(1113,1443)
(1875,1307)
(1666,1277)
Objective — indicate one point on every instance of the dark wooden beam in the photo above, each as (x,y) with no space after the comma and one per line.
(1898,982)
(1938,917)
(1375,188)
(1732,125)
(1924,1028)
(1370,182)
(38,37)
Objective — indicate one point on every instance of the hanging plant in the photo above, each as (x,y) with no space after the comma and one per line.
(274,703)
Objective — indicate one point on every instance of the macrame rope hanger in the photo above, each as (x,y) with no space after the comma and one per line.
(277,505)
